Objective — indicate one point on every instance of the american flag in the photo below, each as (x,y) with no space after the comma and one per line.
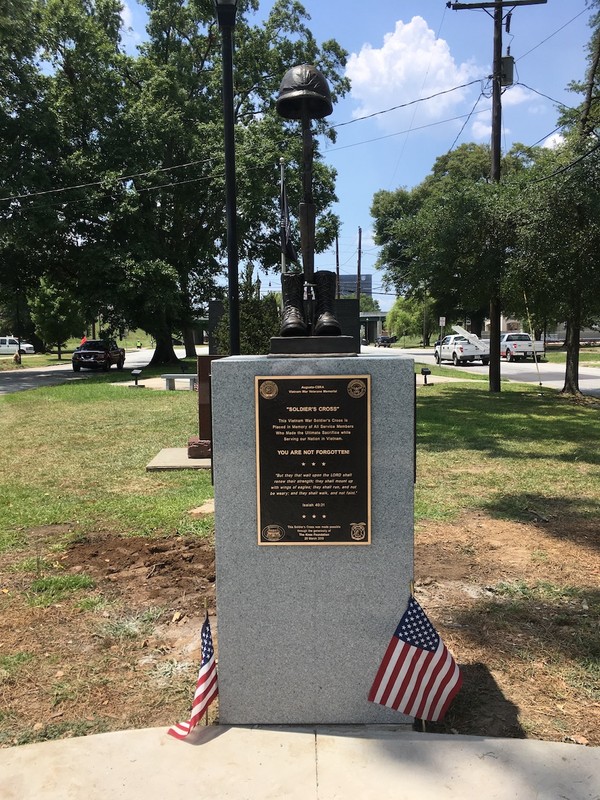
(417,676)
(206,685)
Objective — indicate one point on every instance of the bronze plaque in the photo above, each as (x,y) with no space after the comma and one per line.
(313,459)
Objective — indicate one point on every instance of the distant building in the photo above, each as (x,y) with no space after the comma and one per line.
(348,285)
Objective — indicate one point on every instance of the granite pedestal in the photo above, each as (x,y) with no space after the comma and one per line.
(302,629)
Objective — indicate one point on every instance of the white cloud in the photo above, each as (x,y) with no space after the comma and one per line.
(126,16)
(481,131)
(411,64)
(554,141)
(130,35)
(516,95)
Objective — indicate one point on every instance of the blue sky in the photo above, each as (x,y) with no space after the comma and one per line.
(405,50)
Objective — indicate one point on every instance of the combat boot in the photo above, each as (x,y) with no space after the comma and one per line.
(292,320)
(326,324)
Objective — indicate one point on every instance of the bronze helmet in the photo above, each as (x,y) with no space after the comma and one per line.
(304,86)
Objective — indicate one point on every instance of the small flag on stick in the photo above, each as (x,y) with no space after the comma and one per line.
(417,676)
(206,685)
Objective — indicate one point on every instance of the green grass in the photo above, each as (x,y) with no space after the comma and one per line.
(74,457)
(10,665)
(510,454)
(588,356)
(44,592)
(449,372)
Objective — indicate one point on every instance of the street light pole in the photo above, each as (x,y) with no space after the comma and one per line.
(226,11)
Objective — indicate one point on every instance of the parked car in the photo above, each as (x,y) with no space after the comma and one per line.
(519,346)
(384,340)
(461,348)
(98,354)
(9,345)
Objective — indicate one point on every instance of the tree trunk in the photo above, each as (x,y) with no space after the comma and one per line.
(188,340)
(59,352)
(164,352)
(572,366)
(494,375)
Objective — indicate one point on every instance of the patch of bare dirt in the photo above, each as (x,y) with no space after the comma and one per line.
(518,606)
(516,603)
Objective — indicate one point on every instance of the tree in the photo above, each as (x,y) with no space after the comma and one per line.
(556,259)
(173,97)
(56,314)
(259,319)
(29,145)
(156,118)
(445,238)
(366,302)
(412,316)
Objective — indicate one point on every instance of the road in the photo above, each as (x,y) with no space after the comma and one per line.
(550,375)
(18,380)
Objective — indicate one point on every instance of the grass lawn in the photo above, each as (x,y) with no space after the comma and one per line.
(499,451)
(103,570)
(588,356)
(76,454)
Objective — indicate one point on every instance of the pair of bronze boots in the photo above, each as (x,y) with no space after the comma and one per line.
(293,322)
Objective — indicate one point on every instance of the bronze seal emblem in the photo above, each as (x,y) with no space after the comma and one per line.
(357,388)
(358,531)
(269,390)
(273,533)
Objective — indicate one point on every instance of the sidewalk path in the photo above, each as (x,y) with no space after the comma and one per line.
(286,763)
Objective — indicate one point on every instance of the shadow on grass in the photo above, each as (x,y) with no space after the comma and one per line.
(572,519)
(480,708)
(514,423)
(539,624)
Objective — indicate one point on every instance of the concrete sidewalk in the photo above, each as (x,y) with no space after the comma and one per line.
(287,763)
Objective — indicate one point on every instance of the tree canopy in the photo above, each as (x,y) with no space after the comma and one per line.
(129,149)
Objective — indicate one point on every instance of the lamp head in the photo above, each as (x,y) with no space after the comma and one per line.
(226,10)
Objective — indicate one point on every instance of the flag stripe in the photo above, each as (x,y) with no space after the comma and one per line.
(427,682)
(420,661)
(409,663)
(437,681)
(448,694)
(386,669)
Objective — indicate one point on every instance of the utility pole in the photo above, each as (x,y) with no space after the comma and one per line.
(496,147)
(358,266)
(337,267)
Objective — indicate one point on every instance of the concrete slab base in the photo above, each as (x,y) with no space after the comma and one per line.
(176,458)
(297,763)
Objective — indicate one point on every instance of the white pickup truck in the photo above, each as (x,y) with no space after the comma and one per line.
(462,347)
(519,346)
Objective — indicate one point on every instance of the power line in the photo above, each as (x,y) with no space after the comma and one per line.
(104,180)
(406,105)
(541,94)
(552,34)
(458,135)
